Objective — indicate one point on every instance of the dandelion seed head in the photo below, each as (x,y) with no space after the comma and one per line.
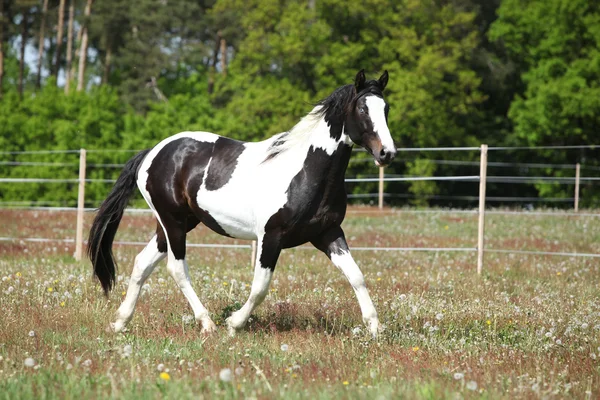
(458,376)
(471,385)
(284,347)
(29,362)
(225,375)
(31,333)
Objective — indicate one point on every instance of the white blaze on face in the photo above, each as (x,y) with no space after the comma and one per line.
(376,107)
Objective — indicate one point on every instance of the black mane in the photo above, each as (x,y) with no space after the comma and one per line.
(337,104)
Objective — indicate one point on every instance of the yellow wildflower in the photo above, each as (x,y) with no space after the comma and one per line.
(165,376)
(50,289)
(346,383)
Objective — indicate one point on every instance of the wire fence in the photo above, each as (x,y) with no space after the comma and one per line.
(382,179)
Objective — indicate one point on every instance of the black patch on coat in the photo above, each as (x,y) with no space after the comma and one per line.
(174,179)
(273,150)
(225,155)
(316,200)
(332,242)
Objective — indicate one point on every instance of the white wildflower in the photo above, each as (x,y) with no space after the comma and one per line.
(225,375)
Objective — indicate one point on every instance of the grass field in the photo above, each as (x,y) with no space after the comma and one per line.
(529,327)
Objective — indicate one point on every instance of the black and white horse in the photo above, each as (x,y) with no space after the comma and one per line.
(282,192)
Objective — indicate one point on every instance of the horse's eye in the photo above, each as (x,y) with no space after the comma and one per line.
(361,110)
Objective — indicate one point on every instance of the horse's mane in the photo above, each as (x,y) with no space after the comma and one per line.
(334,106)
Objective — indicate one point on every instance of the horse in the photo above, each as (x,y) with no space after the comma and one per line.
(282,192)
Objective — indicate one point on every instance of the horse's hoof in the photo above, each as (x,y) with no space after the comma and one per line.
(375,328)
(208,328)
(116,327)
(232,327)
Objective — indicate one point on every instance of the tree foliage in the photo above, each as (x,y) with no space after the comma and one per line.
(463,72)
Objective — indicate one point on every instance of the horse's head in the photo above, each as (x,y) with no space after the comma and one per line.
(366,119)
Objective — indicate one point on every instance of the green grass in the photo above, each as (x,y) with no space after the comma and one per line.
(528,327)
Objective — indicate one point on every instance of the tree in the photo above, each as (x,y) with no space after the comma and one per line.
(68,67)
(84,46)
(555,46)
(59,37)
(41,43)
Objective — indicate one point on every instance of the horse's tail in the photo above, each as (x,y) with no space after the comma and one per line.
(107,221)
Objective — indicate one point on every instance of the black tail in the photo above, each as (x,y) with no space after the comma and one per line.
(107,221)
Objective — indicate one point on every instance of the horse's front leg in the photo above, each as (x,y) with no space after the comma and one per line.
(267,253)
(333,243)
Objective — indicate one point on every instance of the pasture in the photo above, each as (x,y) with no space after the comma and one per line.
(528,327)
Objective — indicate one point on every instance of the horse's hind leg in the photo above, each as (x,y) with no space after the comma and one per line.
(267,253)
(176,228)
(333,244)
(144,264)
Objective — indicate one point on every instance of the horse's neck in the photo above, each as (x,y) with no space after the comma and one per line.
(329,149)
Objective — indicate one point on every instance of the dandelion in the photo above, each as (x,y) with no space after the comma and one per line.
(488,322)
(458,376)
(284,347)
(50,290)
(18,275)
(415,349)
(446,227)
(225,375)
(29,362)
(584,325)
(127,350)
(225,283)
(87,363)
(239,370)
(187,319)
(439,316)
(160,367)
(165,376)
(356,331)
(346,383)
(471,385)
(62,303)
(31,333)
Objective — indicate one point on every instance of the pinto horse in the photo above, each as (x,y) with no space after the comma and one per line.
(282,192)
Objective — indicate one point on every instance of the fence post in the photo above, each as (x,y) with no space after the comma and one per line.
(80,207)
(381,175)
(253,261)
(577,178)
(480,230)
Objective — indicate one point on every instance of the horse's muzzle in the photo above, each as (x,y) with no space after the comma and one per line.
(385,157)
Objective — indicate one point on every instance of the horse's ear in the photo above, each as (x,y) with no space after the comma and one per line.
(359,81)
(383,80)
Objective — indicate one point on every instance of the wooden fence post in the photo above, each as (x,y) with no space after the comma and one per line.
(381,175)
(253,261)
(80,207)
(577,178)
(480,230)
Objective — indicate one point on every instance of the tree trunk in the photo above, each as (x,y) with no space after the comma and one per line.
(213,67)
(223,56)
(22,55)
(38,83)
(59,36)
(1,45)
(77,45)
(68,72)
(84,46)
(107,62)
